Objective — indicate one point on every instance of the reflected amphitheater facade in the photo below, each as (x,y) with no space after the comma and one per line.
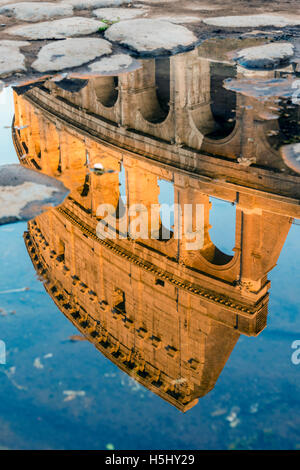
(166,316)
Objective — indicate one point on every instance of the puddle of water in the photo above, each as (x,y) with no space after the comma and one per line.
(186,325)
(8,154)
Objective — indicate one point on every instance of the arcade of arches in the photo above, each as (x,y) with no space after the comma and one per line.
(167,316)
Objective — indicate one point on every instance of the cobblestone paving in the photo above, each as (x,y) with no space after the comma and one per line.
(29,31)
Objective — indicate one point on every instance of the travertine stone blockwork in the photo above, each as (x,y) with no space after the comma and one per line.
(174,336)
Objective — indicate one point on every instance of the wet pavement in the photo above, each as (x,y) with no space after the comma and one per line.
(129,327)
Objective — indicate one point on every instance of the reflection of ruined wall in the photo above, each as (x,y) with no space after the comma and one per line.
(130,115)
(156,321)
(261,224)
(167,316)
(162,335)
(197,98)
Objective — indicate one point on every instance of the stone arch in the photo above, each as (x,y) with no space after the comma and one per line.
(166,201)
(163,84)
(223,101)
(222,219)
(212,107)
(210,254)
(106,90)
(216,251)
(163,130)
(229,146)
(153,87)
(103,97)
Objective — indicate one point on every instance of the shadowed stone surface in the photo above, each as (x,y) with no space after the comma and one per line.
(151,36)
(32,11)
(267,56)
(70,53)
(26,193)
(87,4)
(249,21)
(115,14)
(11,59)
(57,29)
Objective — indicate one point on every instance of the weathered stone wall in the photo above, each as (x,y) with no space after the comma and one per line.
(167,316)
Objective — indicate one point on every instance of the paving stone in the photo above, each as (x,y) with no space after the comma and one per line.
(119,14)
(32,11)
(11,59)
(109,65)
(249,21)
(148,36)
(69,53)
(57,29)
(267,56)
(25,193)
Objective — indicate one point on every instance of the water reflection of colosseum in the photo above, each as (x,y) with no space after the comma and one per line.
(166,316)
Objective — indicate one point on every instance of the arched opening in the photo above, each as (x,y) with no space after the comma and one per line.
(156,98)
(166,201)
(122,183)
(223,101)
(61,250)
(162,79)
(118,298)
(222,220)
(122,202)
(86,186)
(106,89)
